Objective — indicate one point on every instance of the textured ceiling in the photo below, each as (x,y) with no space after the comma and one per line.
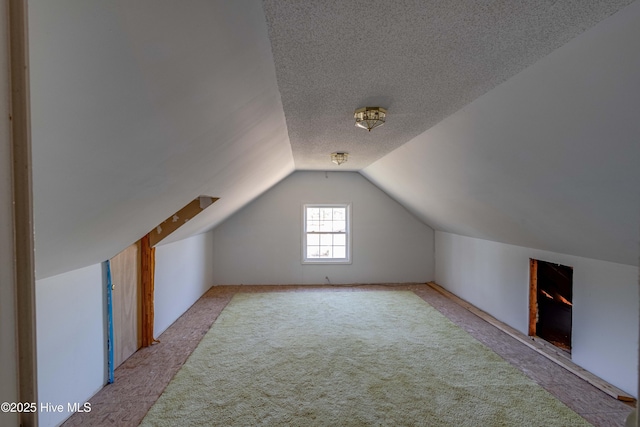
(422,60)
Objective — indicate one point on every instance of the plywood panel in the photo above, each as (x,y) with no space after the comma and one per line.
(125,276)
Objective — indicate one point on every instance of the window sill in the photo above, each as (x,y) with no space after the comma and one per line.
(324,262)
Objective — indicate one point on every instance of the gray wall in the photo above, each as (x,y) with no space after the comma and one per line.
(495,277)
(261,244)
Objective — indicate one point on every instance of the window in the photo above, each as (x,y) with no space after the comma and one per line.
(326,234)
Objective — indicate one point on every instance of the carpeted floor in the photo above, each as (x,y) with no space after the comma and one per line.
(142,378)
(348,358)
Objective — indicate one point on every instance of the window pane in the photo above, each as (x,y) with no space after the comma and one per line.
(326,239)
(339,214)
(313,213)
(313,251)
(313,225)
(313,239)
(326,252)
(339,226)
(339,252)
(326,226)
(326,213)
(340,239)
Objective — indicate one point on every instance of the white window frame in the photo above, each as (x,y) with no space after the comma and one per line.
(347,233)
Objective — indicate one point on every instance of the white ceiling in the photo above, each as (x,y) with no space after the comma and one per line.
(421,59)
(139,107)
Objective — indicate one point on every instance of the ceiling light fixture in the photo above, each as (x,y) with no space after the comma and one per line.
(370,117)
(339,158)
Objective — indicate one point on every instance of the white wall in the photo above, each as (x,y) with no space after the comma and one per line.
(71,339)
(8,356)
(152,100)
(495,277)
(184,271)
(71,320)
(261,244)
(548,159)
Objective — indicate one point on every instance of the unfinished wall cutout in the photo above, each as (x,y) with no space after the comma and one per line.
(550,303)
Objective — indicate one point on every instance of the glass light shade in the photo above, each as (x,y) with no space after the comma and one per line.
(339,158)
(370,117)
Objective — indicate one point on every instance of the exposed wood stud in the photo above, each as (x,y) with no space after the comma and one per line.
(533,296)
(542,349)
(147,267)
(147,259)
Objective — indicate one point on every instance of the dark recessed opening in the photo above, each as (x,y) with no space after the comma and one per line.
(553,285)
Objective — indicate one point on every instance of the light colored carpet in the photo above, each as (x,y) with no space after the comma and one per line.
(348,359)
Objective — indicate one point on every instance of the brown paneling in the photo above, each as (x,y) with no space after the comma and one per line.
(125,275)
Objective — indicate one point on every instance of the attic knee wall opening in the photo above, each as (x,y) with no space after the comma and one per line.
(551,302)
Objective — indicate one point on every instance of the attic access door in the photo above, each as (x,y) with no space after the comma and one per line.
(125,294)
(550,303)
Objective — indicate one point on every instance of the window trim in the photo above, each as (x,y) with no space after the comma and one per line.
(348,232)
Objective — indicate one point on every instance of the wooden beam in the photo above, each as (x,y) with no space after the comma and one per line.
(148,259)
(540,348)
(23,207)
(147,270)
(179,218)
(533,297)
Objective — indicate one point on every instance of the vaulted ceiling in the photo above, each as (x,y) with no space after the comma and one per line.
(422,60)
(509,121)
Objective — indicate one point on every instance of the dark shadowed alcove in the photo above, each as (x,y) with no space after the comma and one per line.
(552,285)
